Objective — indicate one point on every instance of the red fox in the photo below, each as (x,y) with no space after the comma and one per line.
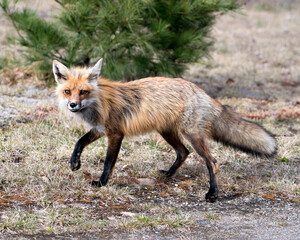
(173,107)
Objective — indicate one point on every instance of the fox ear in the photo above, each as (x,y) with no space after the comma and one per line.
(60,72)
(95,71)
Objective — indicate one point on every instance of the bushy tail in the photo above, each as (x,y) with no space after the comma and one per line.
(249,137)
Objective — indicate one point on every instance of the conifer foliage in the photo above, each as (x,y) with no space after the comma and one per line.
(136,38)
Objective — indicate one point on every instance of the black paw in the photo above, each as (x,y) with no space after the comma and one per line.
(75,165)
(211,196)
(96,183)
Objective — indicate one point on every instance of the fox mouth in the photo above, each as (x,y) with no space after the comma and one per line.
(75,110)
(76,107)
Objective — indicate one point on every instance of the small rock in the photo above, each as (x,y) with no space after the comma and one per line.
(125,167)
(146,182)
(111,218)
(128,214)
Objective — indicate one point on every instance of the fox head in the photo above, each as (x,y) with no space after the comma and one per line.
(76,87)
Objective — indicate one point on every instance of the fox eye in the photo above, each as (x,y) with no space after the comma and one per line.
(67,91)
(83,92)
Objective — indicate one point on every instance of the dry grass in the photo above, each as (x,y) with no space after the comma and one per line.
(256,54)
(39,193)
(37,183)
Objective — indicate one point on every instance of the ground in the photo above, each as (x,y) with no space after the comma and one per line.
(254,67)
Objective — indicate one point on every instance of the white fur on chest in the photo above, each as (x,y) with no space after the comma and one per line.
(88,114)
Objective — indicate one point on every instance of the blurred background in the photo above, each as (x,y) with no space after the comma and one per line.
(246,56)
(252,51)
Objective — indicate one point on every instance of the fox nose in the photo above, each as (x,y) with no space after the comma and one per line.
(72,105)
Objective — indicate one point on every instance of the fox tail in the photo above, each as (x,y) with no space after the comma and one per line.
(247,136)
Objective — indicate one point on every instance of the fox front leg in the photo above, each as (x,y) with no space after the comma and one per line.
(85,140)
(114,144)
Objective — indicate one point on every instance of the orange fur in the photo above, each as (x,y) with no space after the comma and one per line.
(147,113)
(157,104)
(171,106)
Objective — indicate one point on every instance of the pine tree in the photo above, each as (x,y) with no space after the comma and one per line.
(136,38)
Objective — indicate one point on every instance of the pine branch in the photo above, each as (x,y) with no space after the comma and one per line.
(136,38)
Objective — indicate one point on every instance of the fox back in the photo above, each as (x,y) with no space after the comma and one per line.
(136,107)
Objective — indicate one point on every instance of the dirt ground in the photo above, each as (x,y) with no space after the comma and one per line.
(254,67)
(232,217)
(241,218)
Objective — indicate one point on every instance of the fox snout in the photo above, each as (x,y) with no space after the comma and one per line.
(74,106)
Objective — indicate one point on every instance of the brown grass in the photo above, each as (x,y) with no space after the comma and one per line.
(257,50)
(35,173)
(256,54)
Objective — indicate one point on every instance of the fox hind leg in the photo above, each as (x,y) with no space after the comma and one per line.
(173,139)
(200,147)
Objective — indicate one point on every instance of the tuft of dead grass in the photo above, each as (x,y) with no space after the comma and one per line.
(39,193)
(35,174)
